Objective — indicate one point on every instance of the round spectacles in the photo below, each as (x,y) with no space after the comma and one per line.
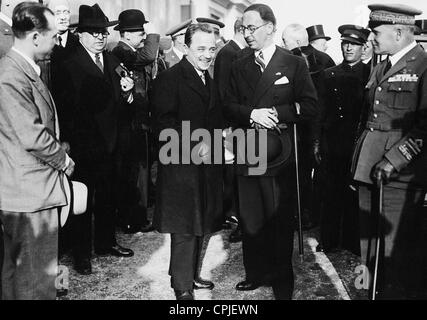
(97,34)
(251,29)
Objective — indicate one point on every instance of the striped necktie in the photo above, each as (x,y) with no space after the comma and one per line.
(98,62)
(387,66)
(202,76)
(259,60)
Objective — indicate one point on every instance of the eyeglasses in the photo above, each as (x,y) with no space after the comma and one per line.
(97,34)
(251,29)
(59,12)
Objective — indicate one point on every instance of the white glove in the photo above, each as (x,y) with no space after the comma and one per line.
(265,117)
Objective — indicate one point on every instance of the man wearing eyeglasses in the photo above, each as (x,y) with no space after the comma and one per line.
(266,88)
(94,96)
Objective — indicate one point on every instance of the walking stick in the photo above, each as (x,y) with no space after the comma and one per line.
(300,235)
(379,236)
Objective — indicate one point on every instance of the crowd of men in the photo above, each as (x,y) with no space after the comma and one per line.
(71,108)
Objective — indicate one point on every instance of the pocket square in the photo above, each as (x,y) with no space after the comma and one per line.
(282,80)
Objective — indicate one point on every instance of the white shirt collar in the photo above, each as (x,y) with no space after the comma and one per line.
(127,43)
(241,46)
(6,19)
(267,53)
(29,60)
(93,56)
(64,38)
(178,53)
(397,56)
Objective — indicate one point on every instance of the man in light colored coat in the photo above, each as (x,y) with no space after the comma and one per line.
(32,160)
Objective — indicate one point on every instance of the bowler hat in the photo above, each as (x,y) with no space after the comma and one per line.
(278,147)
(76,194)
(92,18)
(131,20)
(316,32)
(354,34)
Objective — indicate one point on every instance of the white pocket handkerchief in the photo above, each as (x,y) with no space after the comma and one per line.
(282,80)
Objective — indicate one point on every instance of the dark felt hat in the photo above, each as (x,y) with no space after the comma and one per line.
(92,18)
(131,20)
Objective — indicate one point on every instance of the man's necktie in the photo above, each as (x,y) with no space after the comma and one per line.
(60,41)
(99,63)
(202,76)
(259,60)
(388,66)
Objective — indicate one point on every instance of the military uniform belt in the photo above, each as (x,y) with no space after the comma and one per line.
(395,125)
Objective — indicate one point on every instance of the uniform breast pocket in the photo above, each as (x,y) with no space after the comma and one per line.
(402,95)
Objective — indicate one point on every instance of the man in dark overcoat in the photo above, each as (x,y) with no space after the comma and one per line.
(94,97)
(189,196)
(270,89)
(342,94)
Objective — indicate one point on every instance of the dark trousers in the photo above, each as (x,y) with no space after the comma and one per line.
(403,258)
(1,254)
(267,222)
(185,260)
(30,255)
(339,223)
(99,179)
(231,199)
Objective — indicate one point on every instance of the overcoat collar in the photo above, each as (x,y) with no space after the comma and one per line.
(194,81)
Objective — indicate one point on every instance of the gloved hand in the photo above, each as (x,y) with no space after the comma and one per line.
(265,117)
(382,171)
(316,152)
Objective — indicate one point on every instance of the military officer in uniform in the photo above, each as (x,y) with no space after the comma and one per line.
(177,33)
(342,92)
(391,149)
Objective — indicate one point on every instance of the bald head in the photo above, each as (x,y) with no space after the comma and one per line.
(294,36)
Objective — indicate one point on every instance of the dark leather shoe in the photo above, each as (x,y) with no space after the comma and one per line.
(116,250)
(61,293)
(83,266)
(184,295)
(147,228)
(247,286)
(203,284)
(235,236)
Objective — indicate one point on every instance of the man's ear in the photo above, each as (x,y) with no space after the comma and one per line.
(35,36)
(186,48)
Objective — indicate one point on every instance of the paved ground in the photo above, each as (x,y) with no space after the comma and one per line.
(145,276)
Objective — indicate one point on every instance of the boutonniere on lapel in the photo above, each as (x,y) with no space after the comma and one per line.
(281,80)
(405,77)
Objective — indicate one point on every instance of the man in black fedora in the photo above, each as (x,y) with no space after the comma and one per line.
(94,98)
(317,37)
(265,89)
(138,51)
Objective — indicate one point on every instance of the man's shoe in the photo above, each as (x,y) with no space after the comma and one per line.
(247,286)
(203,284)
(115,250)
(83,266)
(61,293)
(184,295)
(147,228)
(236,235)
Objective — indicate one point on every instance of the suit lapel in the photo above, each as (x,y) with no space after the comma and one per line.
(109,71)
(193,79)
(269,76)
(251,72)
(83,57)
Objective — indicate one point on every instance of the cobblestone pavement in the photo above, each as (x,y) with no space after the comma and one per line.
(145,276)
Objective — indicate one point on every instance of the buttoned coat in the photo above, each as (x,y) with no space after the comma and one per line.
(189,196)
(31,156)
(397,112)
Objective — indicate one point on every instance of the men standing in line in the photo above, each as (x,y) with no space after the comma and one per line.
(175,55)
(317,38)
(295,38)
(94,97)
(342,101)
(32,160)
(270,89)
(137,51)
(189,196)
(391,151)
